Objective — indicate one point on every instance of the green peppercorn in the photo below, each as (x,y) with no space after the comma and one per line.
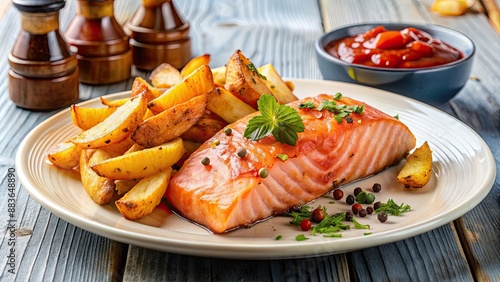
(361,197)
(263,172)
(242,152)
(228,131)
(216,142)
(370,198)
(205,161)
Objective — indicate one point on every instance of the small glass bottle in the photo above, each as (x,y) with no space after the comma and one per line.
(104,53)
(44,69)
(159,35)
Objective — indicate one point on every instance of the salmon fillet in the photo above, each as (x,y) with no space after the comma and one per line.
(229,193)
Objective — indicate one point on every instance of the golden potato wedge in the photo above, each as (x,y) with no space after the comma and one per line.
(279,89)
(123,186)
(417,170)
(65,155)
(224,104)
(195,63)
(114,128)
(206,127)
(99,189)
(198,83)
(114,103)
(85,118)
(143,198)
(244,80)
(170,123)
(165,76)
(142,87)
(219,75)
(121,147)
(142,163)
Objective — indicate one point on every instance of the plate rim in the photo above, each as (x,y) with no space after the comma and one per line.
(247,251)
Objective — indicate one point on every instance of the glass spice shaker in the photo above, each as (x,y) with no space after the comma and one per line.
(159,35)
(104,53)
(44,69)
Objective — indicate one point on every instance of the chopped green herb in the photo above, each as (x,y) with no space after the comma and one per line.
(338,96)
(301,237)
(282,121)
(358,225)
(282,157)
(392,208)
(331,224)
(334,235)
(331,202)
(396,117)
(304,213)
(367,233)
(341,111)
(307,105)
(278,237)
(254,69)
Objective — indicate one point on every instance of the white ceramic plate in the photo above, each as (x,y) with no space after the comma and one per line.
(463,173)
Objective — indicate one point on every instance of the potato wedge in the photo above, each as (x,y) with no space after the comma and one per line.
(206,127)
(417,170)
(141,163)
(143,198)
(224,104)
(244,80)
(190,147)
(142,87)
(86,118)
(219,75)
(198,83)
(195,63)
(170,123)
(123,186)
(114,128)
(65,155)
(114,103)
(165,76)
(279,89)
(121,147)
(99,189)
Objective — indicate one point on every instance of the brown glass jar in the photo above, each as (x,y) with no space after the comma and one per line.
(44,69)
(104,53)
(159,35)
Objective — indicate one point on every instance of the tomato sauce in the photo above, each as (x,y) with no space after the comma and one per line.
(408,48)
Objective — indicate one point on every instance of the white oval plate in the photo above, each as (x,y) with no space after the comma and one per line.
(463,173)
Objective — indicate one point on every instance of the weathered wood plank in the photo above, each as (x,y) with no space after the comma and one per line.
(480,227)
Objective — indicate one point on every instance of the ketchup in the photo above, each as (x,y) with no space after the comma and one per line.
(408,48)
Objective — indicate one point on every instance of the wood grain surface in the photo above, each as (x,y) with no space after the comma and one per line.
(281,32)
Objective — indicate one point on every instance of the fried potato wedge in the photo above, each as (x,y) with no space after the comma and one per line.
(244,80)
(142,87)
(65,155)
(123,186)
(224,104)
(121,147)
(86,118)
(279,89)
(142,163)
(417,170)
(114,103)
(195,63)
(206,127)
(219,75)
(198,83)
(99,189)
(114,128)
(143,198)
(165,76)
(170,123)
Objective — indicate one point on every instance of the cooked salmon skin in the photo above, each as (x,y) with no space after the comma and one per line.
(228,193)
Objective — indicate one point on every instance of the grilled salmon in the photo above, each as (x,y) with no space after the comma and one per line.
(229,193)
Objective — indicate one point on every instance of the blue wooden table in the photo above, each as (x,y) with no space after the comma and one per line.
(281,32)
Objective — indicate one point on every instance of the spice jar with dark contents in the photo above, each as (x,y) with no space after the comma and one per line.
(44,69)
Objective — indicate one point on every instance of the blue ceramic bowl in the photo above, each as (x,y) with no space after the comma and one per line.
(432,85)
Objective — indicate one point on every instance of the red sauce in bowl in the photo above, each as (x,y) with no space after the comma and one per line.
(408,48)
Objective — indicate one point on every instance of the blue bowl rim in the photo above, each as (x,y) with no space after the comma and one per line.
(320,47)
